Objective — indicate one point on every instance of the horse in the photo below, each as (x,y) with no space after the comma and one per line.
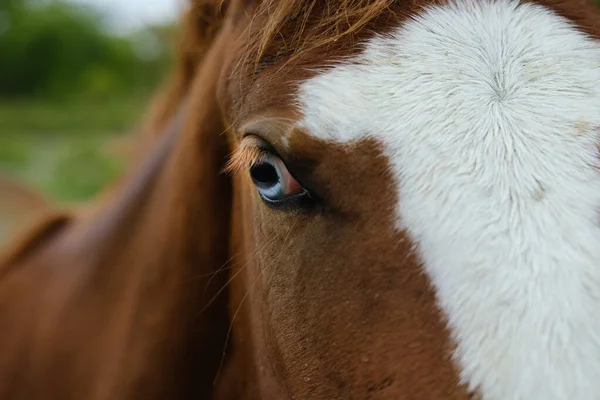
(18,204)
(351,199)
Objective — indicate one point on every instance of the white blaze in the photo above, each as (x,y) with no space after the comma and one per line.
(489,112)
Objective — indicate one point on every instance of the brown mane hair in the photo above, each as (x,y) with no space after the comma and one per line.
(279,30)
(289,28)
(198,27)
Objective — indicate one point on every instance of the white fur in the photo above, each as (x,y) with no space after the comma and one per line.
(489,112)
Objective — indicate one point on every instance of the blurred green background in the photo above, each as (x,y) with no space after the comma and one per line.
(70,90)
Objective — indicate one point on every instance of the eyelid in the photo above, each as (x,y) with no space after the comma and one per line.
(252,149)
(260,143)
(256,142)
(250,152)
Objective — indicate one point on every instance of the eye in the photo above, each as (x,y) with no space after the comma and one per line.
(274,182)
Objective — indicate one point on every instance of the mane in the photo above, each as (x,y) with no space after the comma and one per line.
(198,27)
(289,28)
(295,27)
(280,30)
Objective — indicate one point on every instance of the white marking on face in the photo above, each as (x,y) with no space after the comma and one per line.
(489,113)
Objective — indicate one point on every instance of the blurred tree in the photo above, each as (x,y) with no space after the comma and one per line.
(55,49)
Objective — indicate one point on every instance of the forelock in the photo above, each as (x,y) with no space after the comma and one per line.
(285,29)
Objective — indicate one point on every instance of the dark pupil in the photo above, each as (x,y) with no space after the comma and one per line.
(264,175)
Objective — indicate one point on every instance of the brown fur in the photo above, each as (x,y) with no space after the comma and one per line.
(307,25)
(18,206)
(181,283)
(380,335)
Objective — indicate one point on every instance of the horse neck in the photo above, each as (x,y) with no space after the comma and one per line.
(124,298)
(168,232)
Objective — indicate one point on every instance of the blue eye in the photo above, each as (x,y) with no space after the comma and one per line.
(273,180)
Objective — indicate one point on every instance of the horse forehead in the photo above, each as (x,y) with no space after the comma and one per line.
(455,69)
(489,114)
(441,61)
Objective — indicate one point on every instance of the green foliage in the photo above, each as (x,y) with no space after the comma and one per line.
(68,88)
(58,50)
(95,169)
(64,149)
(70,117)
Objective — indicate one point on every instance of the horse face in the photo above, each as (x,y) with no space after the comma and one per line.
(413,214)
(407,208)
